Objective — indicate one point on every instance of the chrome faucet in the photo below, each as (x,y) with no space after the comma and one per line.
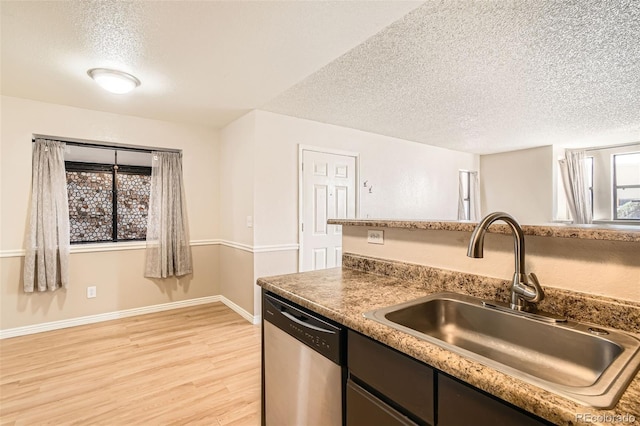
(524,296)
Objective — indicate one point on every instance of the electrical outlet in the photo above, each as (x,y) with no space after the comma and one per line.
(249,221)
(375,237)
(91,292)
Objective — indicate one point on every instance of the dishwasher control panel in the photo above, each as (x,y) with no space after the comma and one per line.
(309,328)
(311,339)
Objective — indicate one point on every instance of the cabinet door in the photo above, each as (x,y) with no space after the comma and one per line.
(401,379)
(364,409)
(460,404)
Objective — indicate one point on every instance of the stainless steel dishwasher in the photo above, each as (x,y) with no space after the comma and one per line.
(302,366)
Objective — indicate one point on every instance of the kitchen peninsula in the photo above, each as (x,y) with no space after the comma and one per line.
(409,266)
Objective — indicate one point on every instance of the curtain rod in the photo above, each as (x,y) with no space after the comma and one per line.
(101,145)
(598,148)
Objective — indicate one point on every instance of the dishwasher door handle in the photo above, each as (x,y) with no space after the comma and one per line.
(305,324)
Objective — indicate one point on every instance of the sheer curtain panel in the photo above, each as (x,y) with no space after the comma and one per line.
(468,195)
(46,264)
(168,252)
(574,178)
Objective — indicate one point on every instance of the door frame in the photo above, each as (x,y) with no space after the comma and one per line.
(323,150)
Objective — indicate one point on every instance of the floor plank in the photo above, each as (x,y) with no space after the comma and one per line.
(198,366)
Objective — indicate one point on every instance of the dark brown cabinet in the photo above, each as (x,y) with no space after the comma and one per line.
(461,404)
(386,387)
(401,379)
(365,409)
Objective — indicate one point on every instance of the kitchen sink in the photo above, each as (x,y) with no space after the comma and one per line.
(588,364)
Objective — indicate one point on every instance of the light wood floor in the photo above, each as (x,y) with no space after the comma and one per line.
(197,365)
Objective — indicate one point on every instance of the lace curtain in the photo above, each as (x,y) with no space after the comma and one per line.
(168,252)
(572,169)
(46,265)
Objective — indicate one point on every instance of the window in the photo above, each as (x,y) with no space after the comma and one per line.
(107,203)
(626,186)
(108,191)
(613,177)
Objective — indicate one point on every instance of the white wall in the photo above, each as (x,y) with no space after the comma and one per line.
(237,145)
(520,183)
(118,274)
(410,180)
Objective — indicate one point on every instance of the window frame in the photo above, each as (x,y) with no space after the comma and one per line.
(78,166)
(616,187)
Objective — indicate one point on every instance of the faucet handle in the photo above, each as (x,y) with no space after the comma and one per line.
(529,292)
(536,284)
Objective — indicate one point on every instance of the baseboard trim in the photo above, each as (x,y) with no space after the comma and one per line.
(91,319)
(253,319)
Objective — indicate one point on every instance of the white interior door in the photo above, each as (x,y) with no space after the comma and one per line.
(328,192)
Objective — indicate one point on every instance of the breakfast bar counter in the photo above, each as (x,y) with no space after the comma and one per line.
(363,284)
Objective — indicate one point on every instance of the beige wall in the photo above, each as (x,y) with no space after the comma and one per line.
(236,276)
(120,285)
(117,274)
(520,183)
(607,268)
(21,118)
(272,263)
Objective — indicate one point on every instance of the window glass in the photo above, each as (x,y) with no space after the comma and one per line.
(90,205)
(628,203)
(627,186)
(627,169)
(100,211)
(133,205)
(134,158)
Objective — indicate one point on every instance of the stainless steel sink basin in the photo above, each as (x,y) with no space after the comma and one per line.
(587,364)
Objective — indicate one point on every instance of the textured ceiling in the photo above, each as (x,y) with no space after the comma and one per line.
(488,76)
(473,75)
(204,62)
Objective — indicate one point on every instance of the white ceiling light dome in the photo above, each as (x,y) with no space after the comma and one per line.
(114,81)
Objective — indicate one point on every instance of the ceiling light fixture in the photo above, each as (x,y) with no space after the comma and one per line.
(114,81)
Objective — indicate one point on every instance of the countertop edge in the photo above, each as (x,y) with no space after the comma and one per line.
(588,232)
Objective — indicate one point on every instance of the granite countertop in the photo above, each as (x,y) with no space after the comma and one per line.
(343,295)
(613,232)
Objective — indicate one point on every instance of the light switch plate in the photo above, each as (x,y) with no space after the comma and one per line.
(375,236)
